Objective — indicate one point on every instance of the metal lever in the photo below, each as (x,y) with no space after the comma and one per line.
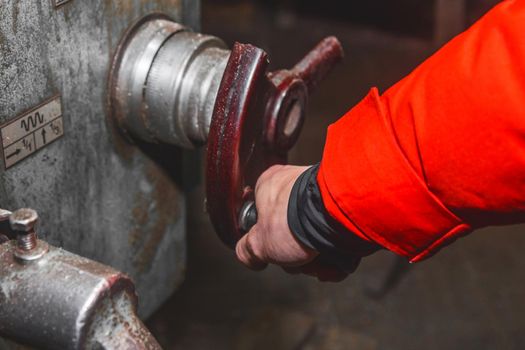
(316,65)
(292,88)
(289,105)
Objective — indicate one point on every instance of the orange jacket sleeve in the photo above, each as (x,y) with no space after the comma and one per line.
(440,153)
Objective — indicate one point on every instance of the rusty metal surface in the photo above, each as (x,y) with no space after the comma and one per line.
(64,301)
(98,196)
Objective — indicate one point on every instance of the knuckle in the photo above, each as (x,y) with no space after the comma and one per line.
(254,247)
(269,173)
(239,252)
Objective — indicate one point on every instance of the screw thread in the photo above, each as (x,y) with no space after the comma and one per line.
(27,242)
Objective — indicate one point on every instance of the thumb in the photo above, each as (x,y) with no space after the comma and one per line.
(249,251)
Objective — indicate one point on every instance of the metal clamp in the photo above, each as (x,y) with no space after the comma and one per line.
(62,300)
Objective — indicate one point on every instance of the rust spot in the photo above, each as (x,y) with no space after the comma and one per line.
(134,237)
(140,212)
(122,6)
(152,227)
(140,216)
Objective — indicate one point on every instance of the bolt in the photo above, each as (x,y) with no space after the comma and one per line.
(248,216)
(23,222)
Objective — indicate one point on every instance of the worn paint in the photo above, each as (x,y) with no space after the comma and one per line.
(167,212)
(154,212)
(88,185)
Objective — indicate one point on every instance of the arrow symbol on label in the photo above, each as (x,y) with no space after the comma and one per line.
(15,153)
(44,135)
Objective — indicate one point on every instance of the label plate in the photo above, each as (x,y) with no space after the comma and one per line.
(32,131)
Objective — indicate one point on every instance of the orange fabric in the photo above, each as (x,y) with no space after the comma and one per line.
(442,152)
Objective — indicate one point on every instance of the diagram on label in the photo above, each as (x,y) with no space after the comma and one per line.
(32,131)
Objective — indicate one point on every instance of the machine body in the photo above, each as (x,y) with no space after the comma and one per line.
(99,101)
(100,196)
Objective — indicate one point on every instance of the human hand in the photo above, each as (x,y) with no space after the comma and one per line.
(270,241)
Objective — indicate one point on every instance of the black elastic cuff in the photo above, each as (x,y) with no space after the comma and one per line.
(315,228)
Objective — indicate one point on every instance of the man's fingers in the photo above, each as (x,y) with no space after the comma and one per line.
(249,252)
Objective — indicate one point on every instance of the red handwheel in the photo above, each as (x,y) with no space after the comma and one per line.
(257,119)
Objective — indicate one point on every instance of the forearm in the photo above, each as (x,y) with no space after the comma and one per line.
(440,153)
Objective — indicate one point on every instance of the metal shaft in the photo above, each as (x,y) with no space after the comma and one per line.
(166,83)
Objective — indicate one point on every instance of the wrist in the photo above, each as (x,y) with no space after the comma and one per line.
(314,228)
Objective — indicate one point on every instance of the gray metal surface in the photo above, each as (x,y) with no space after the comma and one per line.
(64,301)
(165,82)
(97,195)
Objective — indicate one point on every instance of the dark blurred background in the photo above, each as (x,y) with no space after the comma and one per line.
(470,296)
